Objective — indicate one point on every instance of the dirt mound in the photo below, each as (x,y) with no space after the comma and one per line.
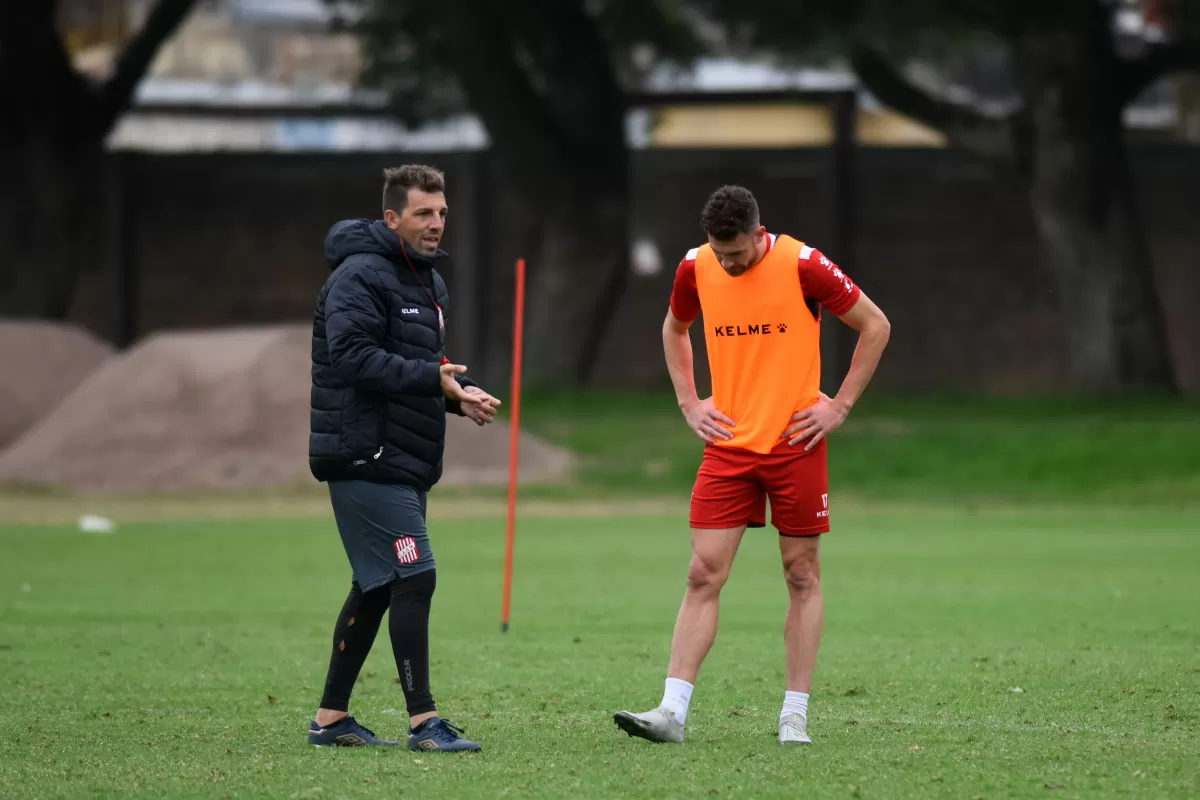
(224,409)
(42,362)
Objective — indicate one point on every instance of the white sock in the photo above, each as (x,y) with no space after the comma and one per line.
(676,697)
(794,703)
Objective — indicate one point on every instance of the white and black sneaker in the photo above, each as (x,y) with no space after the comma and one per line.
(657,725)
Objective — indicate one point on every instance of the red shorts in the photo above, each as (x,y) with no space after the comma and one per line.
(733,486)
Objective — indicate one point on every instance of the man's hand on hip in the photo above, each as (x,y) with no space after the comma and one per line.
(704,418)
(483,412)
(817,421)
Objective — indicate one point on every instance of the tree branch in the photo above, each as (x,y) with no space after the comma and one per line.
(1140,73)
(482,51)
(580,83)
(966,128)
(117,93)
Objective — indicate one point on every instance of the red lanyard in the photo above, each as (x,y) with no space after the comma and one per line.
(432,297)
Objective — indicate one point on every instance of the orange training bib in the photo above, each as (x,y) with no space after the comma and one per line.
(763,343)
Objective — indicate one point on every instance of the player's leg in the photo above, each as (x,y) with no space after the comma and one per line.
(801,632)
(713,551)
(724,501)
(798,489)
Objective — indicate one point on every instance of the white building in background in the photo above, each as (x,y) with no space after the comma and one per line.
(286,44)
(261,75)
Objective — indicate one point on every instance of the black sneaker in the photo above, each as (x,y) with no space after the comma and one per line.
(346,732)
(437,734)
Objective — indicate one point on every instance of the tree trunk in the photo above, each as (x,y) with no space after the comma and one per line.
(1093,246)
(1089,231)
(576,281)
(53,124)
(48,219)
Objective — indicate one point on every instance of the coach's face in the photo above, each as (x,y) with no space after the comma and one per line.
(741,252)
(422,221)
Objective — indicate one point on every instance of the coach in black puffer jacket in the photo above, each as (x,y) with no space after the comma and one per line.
(378,410)
(381,389)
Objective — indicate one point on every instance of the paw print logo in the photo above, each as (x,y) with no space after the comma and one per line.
(781,327)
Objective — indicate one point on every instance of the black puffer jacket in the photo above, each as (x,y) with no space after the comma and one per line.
(378,412)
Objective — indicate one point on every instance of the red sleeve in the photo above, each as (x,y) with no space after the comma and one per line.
(822,281)
(685,299)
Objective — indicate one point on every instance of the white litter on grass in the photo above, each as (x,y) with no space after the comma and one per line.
(1016,690)
(93,523)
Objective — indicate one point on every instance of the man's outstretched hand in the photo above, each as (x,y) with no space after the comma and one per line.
(817,421)
(704,418)
(455,390)
(482,412)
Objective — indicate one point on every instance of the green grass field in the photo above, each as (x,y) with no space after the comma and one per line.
(951,450)
(978,548)
(185,659)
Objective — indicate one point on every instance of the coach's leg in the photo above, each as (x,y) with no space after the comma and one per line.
(357,624)
(412,599)
(353,634)
(713,551)
(408,623)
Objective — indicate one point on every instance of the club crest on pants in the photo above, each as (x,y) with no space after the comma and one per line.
(406,550)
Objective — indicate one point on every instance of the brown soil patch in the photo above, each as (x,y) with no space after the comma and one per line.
(42,362)
(224,409)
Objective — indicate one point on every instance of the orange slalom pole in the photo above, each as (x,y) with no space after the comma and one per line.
(514,436)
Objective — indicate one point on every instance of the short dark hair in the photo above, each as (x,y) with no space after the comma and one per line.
(398,180)
(730,210)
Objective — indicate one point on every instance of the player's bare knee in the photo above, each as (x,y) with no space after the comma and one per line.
(802,578)
(705,577)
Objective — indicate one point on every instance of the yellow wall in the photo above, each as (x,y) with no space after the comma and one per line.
(90,24)
(779,125)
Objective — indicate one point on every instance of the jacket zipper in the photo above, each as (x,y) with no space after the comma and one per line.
(382,423)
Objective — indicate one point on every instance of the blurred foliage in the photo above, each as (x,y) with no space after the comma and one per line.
(938,31)
(819,30)
(549,81)
(422,53)
(1184,16)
